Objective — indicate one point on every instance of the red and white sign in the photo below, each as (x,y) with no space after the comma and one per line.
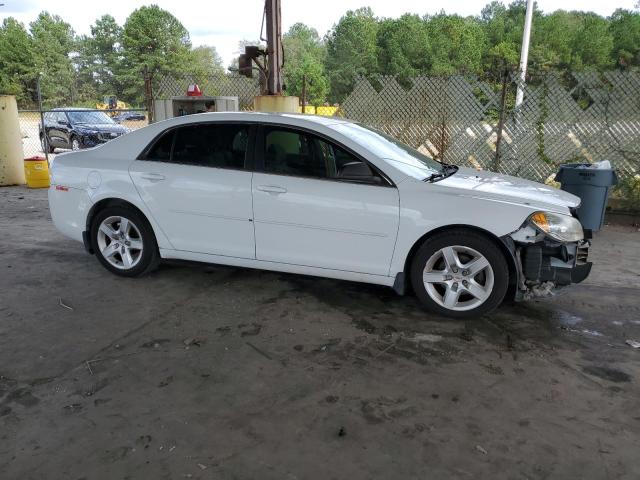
(194,91)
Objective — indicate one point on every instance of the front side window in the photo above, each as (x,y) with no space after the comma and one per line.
(387,147)
(204,145)
(290,152)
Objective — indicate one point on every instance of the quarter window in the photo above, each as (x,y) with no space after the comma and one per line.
(161,150)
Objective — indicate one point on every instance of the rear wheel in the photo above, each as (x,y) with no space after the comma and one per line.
(123,242)
(460,274)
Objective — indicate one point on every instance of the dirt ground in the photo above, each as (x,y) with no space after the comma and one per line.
(227,373)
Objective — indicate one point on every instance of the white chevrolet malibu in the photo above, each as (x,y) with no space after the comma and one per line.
(317,196)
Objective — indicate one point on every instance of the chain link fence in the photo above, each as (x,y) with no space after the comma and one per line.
(584,117)
(31,131)
(222,84)
(464,120)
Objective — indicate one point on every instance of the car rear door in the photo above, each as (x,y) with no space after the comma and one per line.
(305,214)
(195,182)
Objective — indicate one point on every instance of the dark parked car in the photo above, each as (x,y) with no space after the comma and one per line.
(129,117)
(77,128)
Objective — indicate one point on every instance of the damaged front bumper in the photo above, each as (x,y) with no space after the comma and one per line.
(542,263)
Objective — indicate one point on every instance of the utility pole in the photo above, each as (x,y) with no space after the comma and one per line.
(45,142)
(524,52)
(274,47)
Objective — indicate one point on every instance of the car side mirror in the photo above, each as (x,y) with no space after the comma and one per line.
(358,172)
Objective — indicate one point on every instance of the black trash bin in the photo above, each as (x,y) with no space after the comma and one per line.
(592,185)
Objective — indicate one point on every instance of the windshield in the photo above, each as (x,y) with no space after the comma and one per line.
(89,117)
(387,147)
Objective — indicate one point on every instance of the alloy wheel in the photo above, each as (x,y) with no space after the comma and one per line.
(75,144)
(458,278)
(120,242)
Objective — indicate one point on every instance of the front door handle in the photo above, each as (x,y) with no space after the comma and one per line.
(271,189)
(154,177)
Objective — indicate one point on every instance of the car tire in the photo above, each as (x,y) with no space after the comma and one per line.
(128,250)
(46,148)
(75,143)
(460,274)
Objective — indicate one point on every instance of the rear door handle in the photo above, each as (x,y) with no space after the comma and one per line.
(271,189)
(154,177)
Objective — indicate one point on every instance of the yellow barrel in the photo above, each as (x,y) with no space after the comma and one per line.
(36,171)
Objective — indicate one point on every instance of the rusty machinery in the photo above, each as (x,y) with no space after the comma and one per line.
(268,61)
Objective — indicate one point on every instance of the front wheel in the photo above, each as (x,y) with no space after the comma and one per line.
(46,145)
(75,143)
(460,274)
(123,242)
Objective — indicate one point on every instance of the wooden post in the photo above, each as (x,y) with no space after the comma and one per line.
(503,107)
(304,93)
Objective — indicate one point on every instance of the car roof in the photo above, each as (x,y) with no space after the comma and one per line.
(64,109)
(260,117)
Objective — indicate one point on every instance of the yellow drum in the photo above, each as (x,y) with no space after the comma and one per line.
(36,170)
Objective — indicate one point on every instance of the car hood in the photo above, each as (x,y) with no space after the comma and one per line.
(101,127)
(483,184)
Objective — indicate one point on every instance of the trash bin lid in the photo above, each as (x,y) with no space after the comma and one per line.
(584,174)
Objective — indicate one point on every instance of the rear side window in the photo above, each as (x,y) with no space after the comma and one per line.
(219,146)
(205,145)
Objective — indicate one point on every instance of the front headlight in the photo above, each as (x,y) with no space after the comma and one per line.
(559,227)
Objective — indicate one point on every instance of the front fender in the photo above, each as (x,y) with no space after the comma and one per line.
(425,211)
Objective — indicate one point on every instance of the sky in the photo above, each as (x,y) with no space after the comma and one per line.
(223,23)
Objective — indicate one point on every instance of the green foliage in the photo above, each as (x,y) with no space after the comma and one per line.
(403,46)
(304,58)
(351,50)
(155,42)
(17,65)
(628,190)
(593,43)
(205,61)
(112,58)
(457,44)
(625,30)
(53,41)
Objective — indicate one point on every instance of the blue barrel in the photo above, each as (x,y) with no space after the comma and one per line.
(592,185)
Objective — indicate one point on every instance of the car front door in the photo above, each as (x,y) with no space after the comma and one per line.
(63,130)
(309,208)
(194,181)
(54,129)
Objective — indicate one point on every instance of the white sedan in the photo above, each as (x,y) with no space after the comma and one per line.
(317,196)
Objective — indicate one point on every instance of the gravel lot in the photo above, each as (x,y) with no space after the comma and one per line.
(227,373)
